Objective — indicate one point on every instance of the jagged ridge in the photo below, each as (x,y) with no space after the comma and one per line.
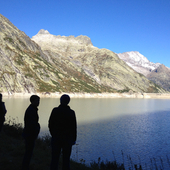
(62,64)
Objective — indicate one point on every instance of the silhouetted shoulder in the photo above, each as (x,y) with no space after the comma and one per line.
(72,111)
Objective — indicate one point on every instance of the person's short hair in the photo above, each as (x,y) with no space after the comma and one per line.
(33,98)
(65,99)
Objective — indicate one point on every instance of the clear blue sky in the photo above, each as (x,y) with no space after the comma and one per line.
(118,25)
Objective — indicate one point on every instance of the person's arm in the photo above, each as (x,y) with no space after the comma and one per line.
(31,122)
(51,122)
(74,127)
(4,108)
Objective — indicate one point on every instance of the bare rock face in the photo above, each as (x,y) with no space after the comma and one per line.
(60,42)
(161,76)
(15,48)
(102,65)
(42,31)
(50,63)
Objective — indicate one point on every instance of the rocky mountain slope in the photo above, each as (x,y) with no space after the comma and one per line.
(138,62)
(50,63)
(102,65)
(156,72)
(161,76)
(24,68)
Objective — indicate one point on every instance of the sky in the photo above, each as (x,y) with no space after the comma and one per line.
(117,25)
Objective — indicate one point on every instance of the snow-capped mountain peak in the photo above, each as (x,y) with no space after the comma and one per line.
(138,62)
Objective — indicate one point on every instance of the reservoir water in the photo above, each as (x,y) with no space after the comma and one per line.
(136,130)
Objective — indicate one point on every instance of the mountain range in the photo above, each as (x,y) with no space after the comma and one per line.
(156,72)
(48,63)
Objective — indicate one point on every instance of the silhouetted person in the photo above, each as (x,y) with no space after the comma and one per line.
(31,129)
(63,129)
(2,112)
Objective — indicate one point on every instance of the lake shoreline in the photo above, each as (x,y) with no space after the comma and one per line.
(94,95)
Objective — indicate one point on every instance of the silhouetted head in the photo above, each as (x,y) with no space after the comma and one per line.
(64,99)
(35,100)
(0,97)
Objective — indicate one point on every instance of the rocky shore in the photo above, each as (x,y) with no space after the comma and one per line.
(94,95)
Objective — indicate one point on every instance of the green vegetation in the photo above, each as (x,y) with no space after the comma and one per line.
(9,39)
(21,42)
(85,87)
(45,87)
(17,47)
(141,75)
(19,60)
(7,48)
(153,89)
(126,90)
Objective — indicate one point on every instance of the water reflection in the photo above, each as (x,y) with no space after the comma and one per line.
(138,127)
(140,136)
(89,110)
